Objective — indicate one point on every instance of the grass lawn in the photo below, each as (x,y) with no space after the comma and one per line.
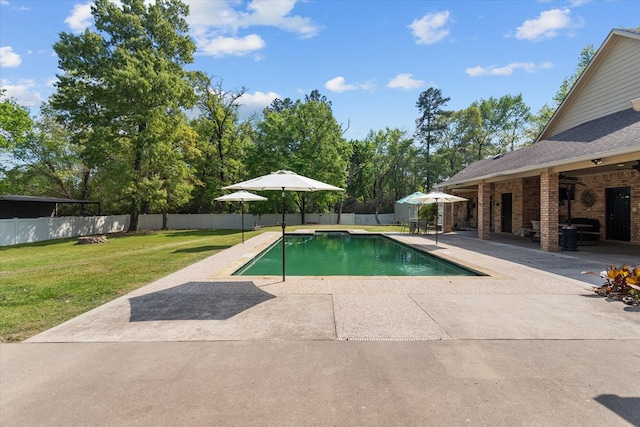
(44,284)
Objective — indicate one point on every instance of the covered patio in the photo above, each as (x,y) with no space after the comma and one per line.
(580,180)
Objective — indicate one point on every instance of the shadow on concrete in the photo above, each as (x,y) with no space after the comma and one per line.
(569,264)
(197,301)
(626,407)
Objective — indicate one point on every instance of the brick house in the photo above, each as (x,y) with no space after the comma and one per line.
(585,164)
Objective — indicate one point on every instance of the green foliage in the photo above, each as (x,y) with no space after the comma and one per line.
(304,137)
(120,88)
(120,135)
(15,123)
(393,165)
(429,127)
(428,212)
(221,144)
(585,57)
(48,162)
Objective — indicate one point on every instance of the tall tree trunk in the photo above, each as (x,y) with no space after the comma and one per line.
(137,167)
(165,220)
(133,224)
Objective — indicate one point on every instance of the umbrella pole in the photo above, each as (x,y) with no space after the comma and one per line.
(242,218)
(283,228)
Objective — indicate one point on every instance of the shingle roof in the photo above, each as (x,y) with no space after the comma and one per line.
(613,134)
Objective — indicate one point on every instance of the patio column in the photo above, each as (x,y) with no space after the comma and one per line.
(549,182)
(484,210)
(447,222)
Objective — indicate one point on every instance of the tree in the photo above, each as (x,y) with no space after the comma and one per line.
(360,170)
(392,167)
(15,126)
(48,163)
(491,126)
(15,122)
(516,121)
(583,60)
(221,143)
(430,125)
(304,137)
(120,83)
(450,156)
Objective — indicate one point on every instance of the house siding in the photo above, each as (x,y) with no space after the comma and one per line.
(609,88)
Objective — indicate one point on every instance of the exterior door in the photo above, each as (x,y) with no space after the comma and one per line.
(506,213)
(619,213)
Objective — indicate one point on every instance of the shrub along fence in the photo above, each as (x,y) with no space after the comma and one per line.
(28,230)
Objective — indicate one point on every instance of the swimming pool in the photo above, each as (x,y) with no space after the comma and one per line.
(333,253)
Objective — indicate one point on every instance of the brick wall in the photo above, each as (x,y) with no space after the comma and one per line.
(514,187)
(599,183)
(529,196)
(549,211)
(530,201)
(484,205)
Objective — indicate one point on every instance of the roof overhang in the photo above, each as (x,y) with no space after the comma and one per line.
(578,163)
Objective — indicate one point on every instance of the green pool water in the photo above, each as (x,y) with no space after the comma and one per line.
(344,254)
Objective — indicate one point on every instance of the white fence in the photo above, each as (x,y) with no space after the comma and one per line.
(234,221)
(28,230)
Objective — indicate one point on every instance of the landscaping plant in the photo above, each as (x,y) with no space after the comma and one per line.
(621,284)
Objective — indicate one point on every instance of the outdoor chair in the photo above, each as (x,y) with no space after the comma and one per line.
(405,227)
(535,236)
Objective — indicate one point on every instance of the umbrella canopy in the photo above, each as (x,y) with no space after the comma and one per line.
(411,198)
(241,196)
(437,197)
(283,180)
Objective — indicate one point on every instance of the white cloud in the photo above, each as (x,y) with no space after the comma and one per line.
(276,14)
(222,46)
(8,58)
(24,92)
(51,82)
(404,81)
(80,17)
(255,103)
(431,28)
(210,20)
(337,84)
(507,70)
(578,3)
(546,26)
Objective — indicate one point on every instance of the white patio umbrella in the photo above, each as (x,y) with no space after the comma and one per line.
(283,180)
(241,196)
(411,200)
(437,197)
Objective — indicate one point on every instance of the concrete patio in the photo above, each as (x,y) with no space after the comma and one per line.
(528,344)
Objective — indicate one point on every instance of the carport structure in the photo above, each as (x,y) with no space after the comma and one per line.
(18,206)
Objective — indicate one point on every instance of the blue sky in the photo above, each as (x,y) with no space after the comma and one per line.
(371,59)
